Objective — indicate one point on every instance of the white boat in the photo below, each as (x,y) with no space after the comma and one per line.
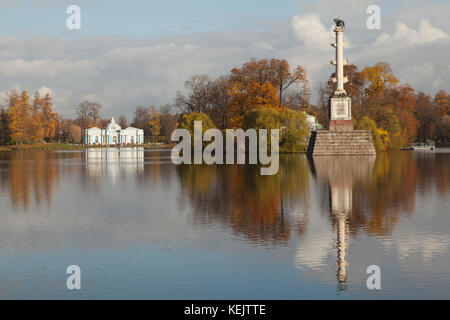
(423,146)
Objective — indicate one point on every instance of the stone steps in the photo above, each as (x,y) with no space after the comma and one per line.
(340,143)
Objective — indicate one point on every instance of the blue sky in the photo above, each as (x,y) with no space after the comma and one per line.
(131,53)
(140,18)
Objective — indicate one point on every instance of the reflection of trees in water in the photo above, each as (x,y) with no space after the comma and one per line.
(379,194)
(439,167)
(32,173)
(263,208)
(390,191)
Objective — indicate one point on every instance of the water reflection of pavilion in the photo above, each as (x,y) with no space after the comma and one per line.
(114,162)
(341,173)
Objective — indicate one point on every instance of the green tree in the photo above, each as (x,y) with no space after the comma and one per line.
(187,122)
(262,118)
(368,124)
(294,131)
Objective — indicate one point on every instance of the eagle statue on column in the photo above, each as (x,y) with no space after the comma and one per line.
(339,22)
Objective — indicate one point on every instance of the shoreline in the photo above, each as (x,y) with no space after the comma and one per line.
(68,146)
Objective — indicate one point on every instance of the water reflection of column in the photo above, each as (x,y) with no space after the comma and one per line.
(341,207)
(341,263)
(341,174)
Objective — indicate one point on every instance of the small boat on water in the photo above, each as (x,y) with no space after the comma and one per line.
(423,146)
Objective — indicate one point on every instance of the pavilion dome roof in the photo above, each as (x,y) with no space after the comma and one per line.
(113,125)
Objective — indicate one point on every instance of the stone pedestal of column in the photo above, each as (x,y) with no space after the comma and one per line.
(340,114)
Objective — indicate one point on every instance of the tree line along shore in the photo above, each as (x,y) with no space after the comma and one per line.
(262,93)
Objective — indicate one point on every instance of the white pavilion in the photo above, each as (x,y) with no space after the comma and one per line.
(113,135)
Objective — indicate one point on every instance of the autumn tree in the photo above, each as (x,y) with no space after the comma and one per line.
(141,117)
(37,130)
(147,119)
(198,97)
(103,123)
(321,109)
(168,122)
(62,130)
(88,114)
(50,119)
(299,100)
(122,121)
(403,103)
(154,123)
(443,129)
(207,95)
(74,133)
(275,71)
(19,115)
(368,124)
(378,78)
(248,96)
(4,126)
(427,114)
(442,101)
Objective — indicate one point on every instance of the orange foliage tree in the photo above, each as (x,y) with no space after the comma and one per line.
(442,100)
(19,117)
(31,123)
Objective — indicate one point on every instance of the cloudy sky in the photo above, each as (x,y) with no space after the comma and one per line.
(136,52)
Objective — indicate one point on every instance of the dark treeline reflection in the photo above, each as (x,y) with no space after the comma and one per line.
(31,175)
(253,205)
(391,190)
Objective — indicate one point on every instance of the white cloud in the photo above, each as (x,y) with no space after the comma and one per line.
(47,68)
(405,36)
(43,91)
(310,30)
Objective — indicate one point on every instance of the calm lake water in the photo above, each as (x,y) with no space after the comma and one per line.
(140,227)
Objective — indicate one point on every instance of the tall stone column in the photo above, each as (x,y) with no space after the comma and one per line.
(339,62)
(340,105)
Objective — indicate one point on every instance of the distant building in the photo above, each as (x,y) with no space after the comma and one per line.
(113,135)
(311,122)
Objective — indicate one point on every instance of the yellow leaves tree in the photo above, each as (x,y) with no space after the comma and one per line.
(31,123)
(384,136)
(442,100)
(50,119)
(19,114)
(378,77)
(37,130)
(154,123)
